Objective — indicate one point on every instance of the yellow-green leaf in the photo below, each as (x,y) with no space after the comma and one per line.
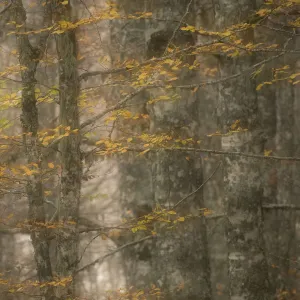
(51,165)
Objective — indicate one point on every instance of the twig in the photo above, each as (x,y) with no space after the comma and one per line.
(217,152)
(178,27)
(201,84)
(101,259)
(112,108)
(85,75)
(200,187)
(6,8)
(281,206)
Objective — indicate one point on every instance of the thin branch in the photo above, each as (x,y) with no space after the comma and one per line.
(281,206)
(217,152)
(86,75)
(101,259)
(279,30)
(190,86)
(202,84)
(259,50)
(87,245)
(6,8)
(178,27)
(212,82)
(200,187)
(112,108)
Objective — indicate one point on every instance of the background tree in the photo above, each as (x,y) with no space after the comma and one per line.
(165,76)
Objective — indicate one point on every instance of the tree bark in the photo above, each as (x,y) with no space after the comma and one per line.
(71,174)
(248,272)
(180,257)
(29,57)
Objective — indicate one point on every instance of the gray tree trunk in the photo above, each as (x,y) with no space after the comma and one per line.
(29,57)
(248,273)
(178,258)
(68,210)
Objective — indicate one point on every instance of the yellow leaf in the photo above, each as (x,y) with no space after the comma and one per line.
(259,86)
(195,89)
(188,28)
(144,152)
(71,222)
(129,140)
(172,212)
(235,125)
(168,61)
(293,76)
(99,142)
(207,212)
(267,152)
(51,165)
(263,12)
(181,219)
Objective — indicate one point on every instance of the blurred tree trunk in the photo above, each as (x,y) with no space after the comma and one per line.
(283,246)
(128,41)
(248,273)
(30,57)
(68,209)
(180,263)
(207,103)
(179,258)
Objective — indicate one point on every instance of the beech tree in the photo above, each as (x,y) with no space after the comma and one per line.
(195,103)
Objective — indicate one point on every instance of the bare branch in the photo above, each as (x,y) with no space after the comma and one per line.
(200,187)
(101,259)
(6,8)
(112,108)
(212,82)
(281,206)
(217,152)
(86,75)
(178,27)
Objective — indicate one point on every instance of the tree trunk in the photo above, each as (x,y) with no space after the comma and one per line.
(180,263)
(248,273)
(68,210)
(29,57)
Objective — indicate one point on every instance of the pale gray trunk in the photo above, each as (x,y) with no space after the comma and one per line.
(248,273)
(283,247)
(207,103)
(128,41)
(280,217)
(181,255)
(169,178)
